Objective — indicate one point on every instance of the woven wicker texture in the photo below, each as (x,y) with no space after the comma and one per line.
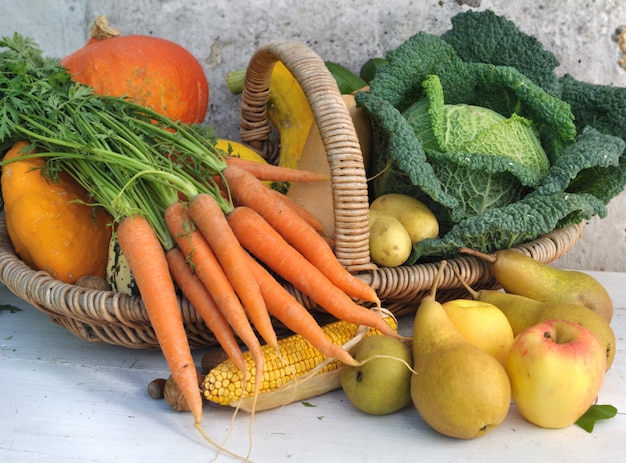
(348,177)
(104,316)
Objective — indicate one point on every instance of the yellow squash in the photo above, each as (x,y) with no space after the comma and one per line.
(47,229)
(235,148)
(290,113)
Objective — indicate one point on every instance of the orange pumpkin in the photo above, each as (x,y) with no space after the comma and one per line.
(47,229)
(154,72)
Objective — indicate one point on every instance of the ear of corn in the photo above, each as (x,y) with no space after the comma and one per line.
(297,371)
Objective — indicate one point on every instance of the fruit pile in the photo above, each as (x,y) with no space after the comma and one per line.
(544,342)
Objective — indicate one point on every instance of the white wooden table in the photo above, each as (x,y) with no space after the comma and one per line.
(65,400)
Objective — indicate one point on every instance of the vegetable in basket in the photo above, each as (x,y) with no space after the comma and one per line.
(418,104)
(288,110)
(145,169)
(49,223)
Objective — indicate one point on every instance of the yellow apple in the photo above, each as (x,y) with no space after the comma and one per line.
(556,370)
(483,325)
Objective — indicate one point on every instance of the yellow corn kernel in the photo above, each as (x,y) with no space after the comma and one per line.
(296,357)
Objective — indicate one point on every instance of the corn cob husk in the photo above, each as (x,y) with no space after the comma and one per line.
(298,371)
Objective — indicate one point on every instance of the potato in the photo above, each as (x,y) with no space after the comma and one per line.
(390,243)
(418,220)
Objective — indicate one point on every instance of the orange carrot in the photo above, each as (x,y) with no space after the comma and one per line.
(258,237)
(206,266)
(195,248)
(288,310)
(305,214)
(273,173)
(207,215)
(146,259)
(246,190)
(195,291)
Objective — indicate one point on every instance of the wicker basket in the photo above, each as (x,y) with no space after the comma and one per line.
(104,316)
(400,287)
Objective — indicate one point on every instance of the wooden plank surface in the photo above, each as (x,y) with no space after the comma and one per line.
(65,400)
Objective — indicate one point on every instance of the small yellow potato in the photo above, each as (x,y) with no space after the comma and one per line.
(414,215)
(390,243)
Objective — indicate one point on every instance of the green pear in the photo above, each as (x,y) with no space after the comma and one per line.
(520,274)
(523,312)
(458,389)
(379,386)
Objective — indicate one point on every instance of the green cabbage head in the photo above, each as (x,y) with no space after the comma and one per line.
(482,171)
(480,157)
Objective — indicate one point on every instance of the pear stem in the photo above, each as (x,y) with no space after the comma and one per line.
(469,289)
(433,289)
(491,258)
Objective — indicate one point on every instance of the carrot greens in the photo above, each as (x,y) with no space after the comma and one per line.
(125,155)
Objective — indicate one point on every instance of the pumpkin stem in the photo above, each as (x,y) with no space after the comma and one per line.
(101,29)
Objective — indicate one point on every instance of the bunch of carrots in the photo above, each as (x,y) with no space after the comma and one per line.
(189,216)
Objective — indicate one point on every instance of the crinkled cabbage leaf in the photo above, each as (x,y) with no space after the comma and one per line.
(485,60)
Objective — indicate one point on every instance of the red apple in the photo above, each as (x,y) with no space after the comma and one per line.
(556,370)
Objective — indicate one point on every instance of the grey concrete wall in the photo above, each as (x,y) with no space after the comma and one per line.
(223,34)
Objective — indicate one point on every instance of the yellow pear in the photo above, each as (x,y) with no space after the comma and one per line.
(380,385)
(520,274)
(482,324)
(458,389)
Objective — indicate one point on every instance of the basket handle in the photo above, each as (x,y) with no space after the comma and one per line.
(348,176)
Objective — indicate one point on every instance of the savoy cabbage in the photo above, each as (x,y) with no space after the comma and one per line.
(485,60)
